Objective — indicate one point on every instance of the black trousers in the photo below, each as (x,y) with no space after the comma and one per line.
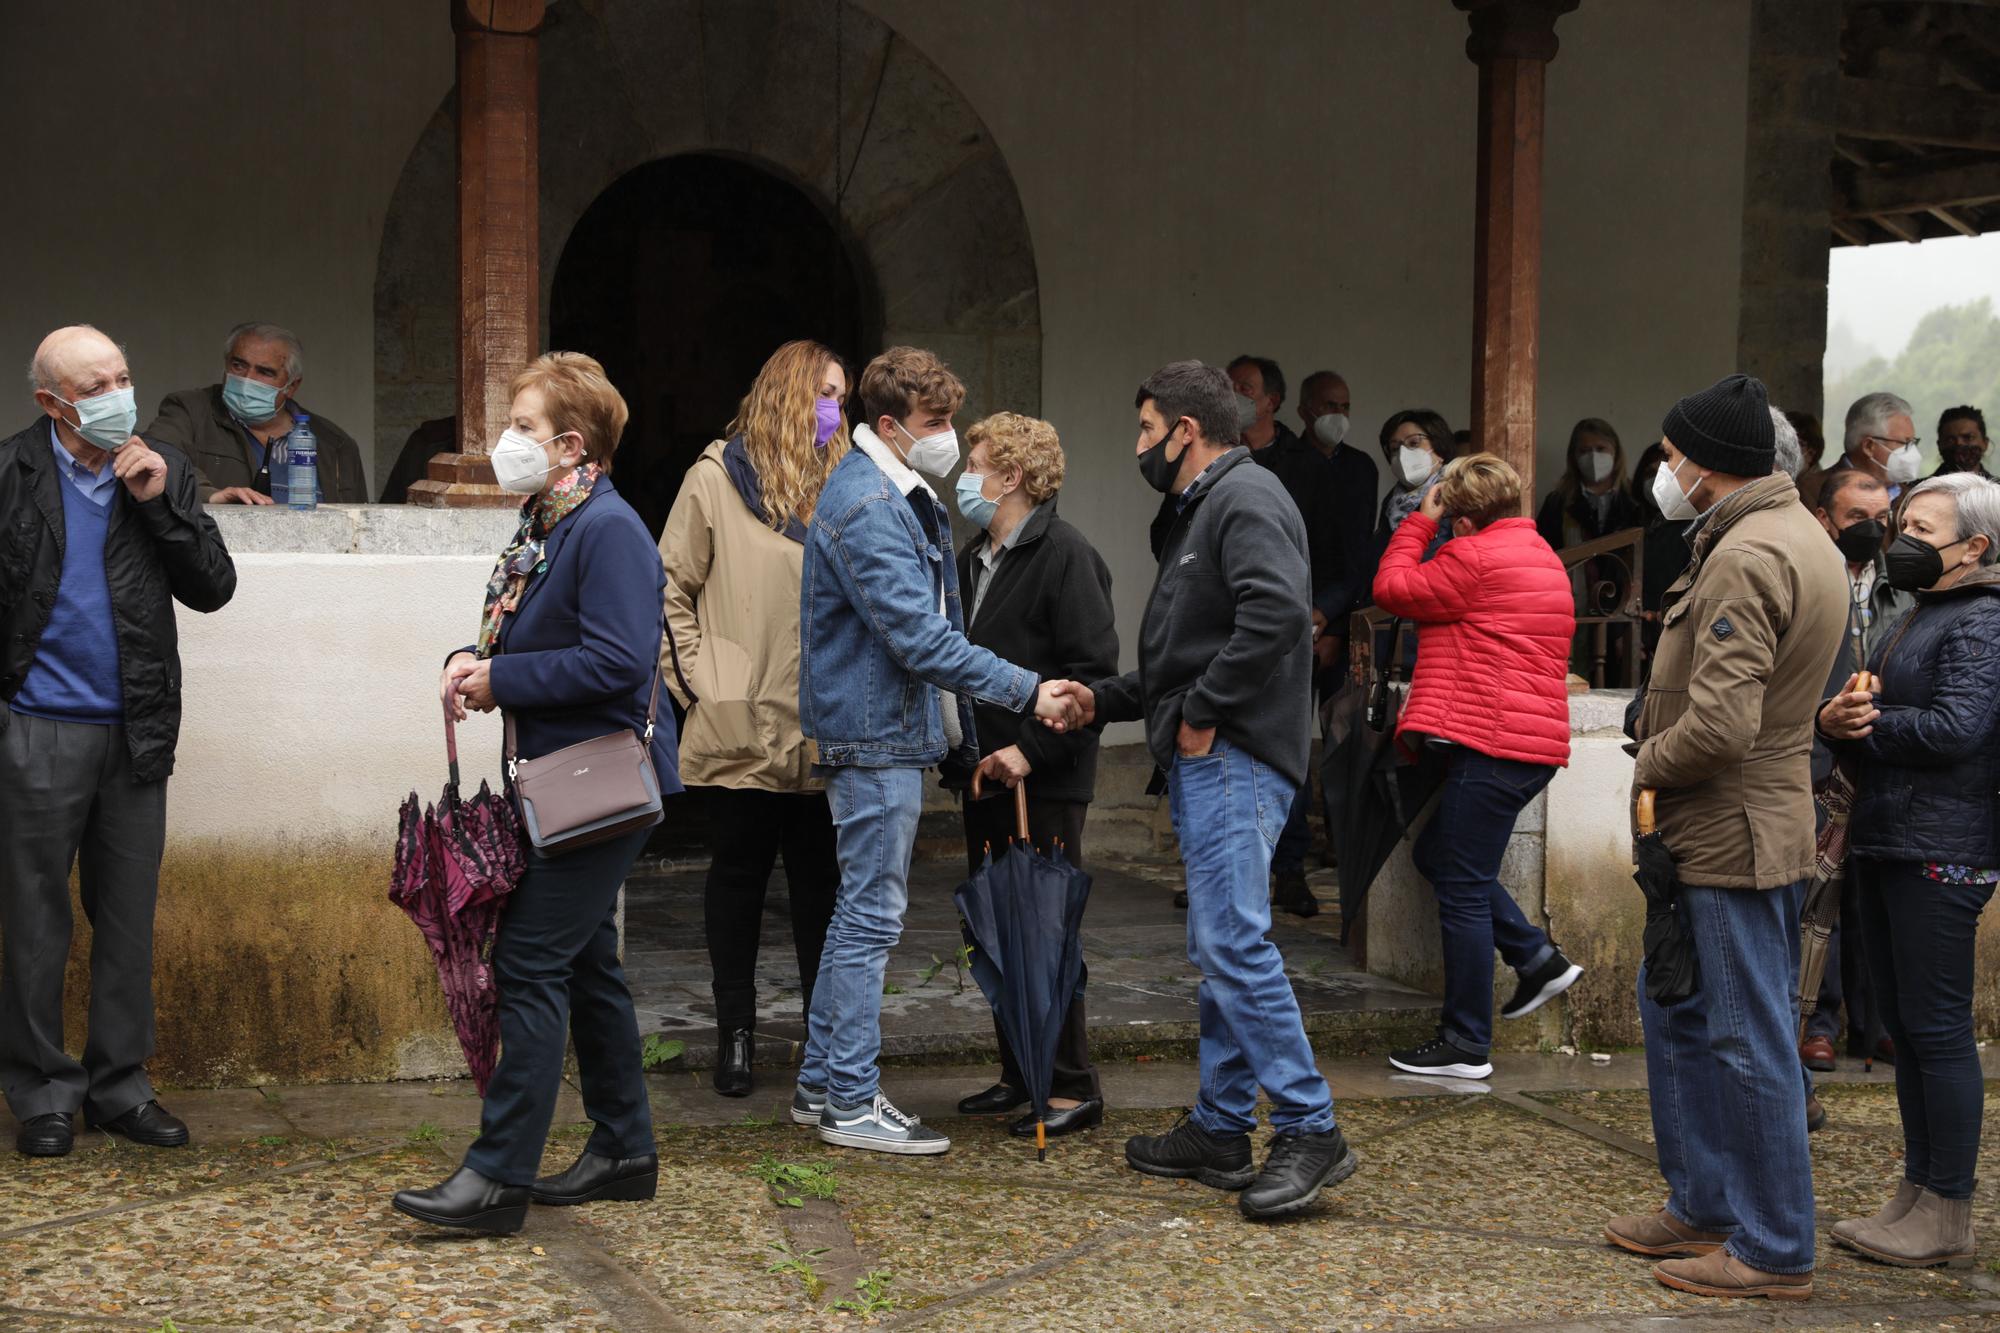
(556,964)
(746,831)
(990,823)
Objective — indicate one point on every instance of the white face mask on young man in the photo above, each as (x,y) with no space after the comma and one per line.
(935,454)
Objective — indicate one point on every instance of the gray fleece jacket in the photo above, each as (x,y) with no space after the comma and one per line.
(1227,637)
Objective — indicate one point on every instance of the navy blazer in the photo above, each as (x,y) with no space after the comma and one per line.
(576,659)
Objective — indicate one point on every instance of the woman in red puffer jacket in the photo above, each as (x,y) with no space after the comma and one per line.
(1494,615)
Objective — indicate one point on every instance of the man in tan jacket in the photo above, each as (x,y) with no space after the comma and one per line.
(1748,633)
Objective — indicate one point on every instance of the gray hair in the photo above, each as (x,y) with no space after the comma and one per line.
(1790,460)
(1977,502)
(295,352)
(1870,415)
(41,374)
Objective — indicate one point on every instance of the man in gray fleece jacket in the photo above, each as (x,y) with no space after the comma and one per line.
(1224,686)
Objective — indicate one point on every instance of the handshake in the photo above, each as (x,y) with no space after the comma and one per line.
(1065,705)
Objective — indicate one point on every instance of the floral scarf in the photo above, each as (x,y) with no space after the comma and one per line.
(525,558)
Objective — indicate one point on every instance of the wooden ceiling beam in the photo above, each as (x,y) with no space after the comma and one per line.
(1954,221)
(1903,229)
(1873,192)
(1850,231)
(1909,113)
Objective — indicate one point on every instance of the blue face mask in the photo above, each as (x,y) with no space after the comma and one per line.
(976,507)
(252,402)
(106,420)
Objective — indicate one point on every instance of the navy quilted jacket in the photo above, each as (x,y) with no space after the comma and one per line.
(1928,772)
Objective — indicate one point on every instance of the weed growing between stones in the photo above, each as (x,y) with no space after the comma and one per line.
(792,1183)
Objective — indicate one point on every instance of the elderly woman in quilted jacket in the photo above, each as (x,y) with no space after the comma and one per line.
(1925,850)
(1494,616)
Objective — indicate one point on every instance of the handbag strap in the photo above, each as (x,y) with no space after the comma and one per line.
(510,747)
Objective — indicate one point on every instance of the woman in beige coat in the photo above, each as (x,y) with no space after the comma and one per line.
(733,551)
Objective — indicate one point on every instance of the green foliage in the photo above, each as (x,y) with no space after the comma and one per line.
(426,1132)
(657,1050)
(800,1265)
(272,1141)
(792,1183)
(1952,358)
(891,988)
(166,1326)
(871,1295)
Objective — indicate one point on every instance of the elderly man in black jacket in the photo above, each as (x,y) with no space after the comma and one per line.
(100,532)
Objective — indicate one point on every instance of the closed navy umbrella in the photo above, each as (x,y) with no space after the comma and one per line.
(1021,915)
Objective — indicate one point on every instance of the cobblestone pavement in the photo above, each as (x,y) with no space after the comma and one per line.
(1471,1210)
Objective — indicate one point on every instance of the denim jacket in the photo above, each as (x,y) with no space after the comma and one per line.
(872,641)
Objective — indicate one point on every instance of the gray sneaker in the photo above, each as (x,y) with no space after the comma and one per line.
(807,1103)
(878,1127)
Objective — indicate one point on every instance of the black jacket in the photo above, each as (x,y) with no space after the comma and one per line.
(155,553)
(1227,637)
(1926,775)
(1049,610)
(1564,525)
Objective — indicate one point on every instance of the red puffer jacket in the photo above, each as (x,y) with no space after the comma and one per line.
(1495,616)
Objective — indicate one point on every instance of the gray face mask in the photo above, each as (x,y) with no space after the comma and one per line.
(1246,412)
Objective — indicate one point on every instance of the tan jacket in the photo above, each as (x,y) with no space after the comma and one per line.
(1747,635)
(731,654)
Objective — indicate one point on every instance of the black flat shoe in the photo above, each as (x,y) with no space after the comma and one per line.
(732,1062)
(996,1100)
(468,1200)
(51,1135)
(148,1124)
(1062,1120)
(591,1178)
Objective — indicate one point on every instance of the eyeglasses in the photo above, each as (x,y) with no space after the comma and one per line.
(1913,441)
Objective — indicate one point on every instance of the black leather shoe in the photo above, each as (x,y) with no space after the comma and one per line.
(1290,893)
(1062,1120)
(591,1178)
(1299,1167)
(1221,1162)
(1180,900)
(732,1062)
(148,1124)
(468,1200)
(996,1100)
(51,1135)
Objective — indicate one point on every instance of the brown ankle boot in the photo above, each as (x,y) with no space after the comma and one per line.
(1936,1231)
(1892,1211)
(1723,1274)
(1660,1235)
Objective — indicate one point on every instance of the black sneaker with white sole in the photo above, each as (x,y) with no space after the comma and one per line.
(1438,1056)
(1187,1151)
(1538,987)
(1299,1167)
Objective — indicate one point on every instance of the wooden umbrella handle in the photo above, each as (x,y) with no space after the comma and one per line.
(1865,683)
(1020,804)
(1647,820)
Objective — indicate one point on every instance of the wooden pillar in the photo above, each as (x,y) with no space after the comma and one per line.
(499,282)
(1512,42)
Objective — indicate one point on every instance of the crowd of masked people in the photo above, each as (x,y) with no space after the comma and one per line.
(829,646)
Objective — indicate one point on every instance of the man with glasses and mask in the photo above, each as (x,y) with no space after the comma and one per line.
(235,430)
(1962,442)
(1882,441)
(105,532)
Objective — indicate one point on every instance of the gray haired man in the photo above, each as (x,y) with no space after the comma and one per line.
(104,533)
(1882,441)
(232,430)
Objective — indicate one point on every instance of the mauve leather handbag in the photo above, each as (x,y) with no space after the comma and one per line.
(589,792)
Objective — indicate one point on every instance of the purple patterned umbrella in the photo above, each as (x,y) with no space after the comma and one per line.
(456,863)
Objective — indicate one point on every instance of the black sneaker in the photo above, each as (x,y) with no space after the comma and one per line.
(1180,900)
(1299,1167)
(1219,1161)
(1538,987)
(1438,1056)
(1290,893)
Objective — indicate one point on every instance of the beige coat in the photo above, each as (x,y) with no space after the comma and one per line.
(731,654)
(1747,635)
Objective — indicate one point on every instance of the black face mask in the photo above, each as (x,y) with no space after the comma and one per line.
(1861,542)
(1914,564)
(1159,470)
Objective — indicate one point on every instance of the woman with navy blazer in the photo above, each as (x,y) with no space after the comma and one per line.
(569,643)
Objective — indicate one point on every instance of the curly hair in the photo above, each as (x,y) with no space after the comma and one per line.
(778,426)
(902,379)
(578,396)
(1027,443)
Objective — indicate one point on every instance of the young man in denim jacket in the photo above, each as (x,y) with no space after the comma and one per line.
(886,683)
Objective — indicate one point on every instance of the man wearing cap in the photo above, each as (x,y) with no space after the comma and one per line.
(1724,737)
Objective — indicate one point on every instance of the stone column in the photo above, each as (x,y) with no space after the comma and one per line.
(498,253)
(1512,42)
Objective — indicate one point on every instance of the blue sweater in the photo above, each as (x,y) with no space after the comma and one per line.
(75,675)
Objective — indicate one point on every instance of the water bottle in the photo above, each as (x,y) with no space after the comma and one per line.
(301,467)
(277,463)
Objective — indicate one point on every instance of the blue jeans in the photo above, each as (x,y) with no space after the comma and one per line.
(875,814)
(1729,1113)
(1459,853)
(1920,951)
(1227,809)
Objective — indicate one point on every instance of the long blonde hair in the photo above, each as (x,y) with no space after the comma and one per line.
(777,423)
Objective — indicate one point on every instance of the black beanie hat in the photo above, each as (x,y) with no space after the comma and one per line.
(1726,428)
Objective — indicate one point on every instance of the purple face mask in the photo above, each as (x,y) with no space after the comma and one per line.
(827,414)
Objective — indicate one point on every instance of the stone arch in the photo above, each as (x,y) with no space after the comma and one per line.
(907,171)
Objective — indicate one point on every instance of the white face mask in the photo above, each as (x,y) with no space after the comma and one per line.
(936,454)
(1246,412)
(1415,466)
(519,463)
(1595,466)
(1904,464)
(1674,504)
(1330,429)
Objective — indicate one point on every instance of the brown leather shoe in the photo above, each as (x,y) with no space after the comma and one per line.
(1816,1054)
(1723,1274)
(1660,1235)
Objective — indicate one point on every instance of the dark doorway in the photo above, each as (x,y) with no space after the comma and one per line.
(682,278)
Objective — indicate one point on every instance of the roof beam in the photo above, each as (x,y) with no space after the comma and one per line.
(1873,192)
(1851,232)
(1954,221)
(1908,113)
(1900,228)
